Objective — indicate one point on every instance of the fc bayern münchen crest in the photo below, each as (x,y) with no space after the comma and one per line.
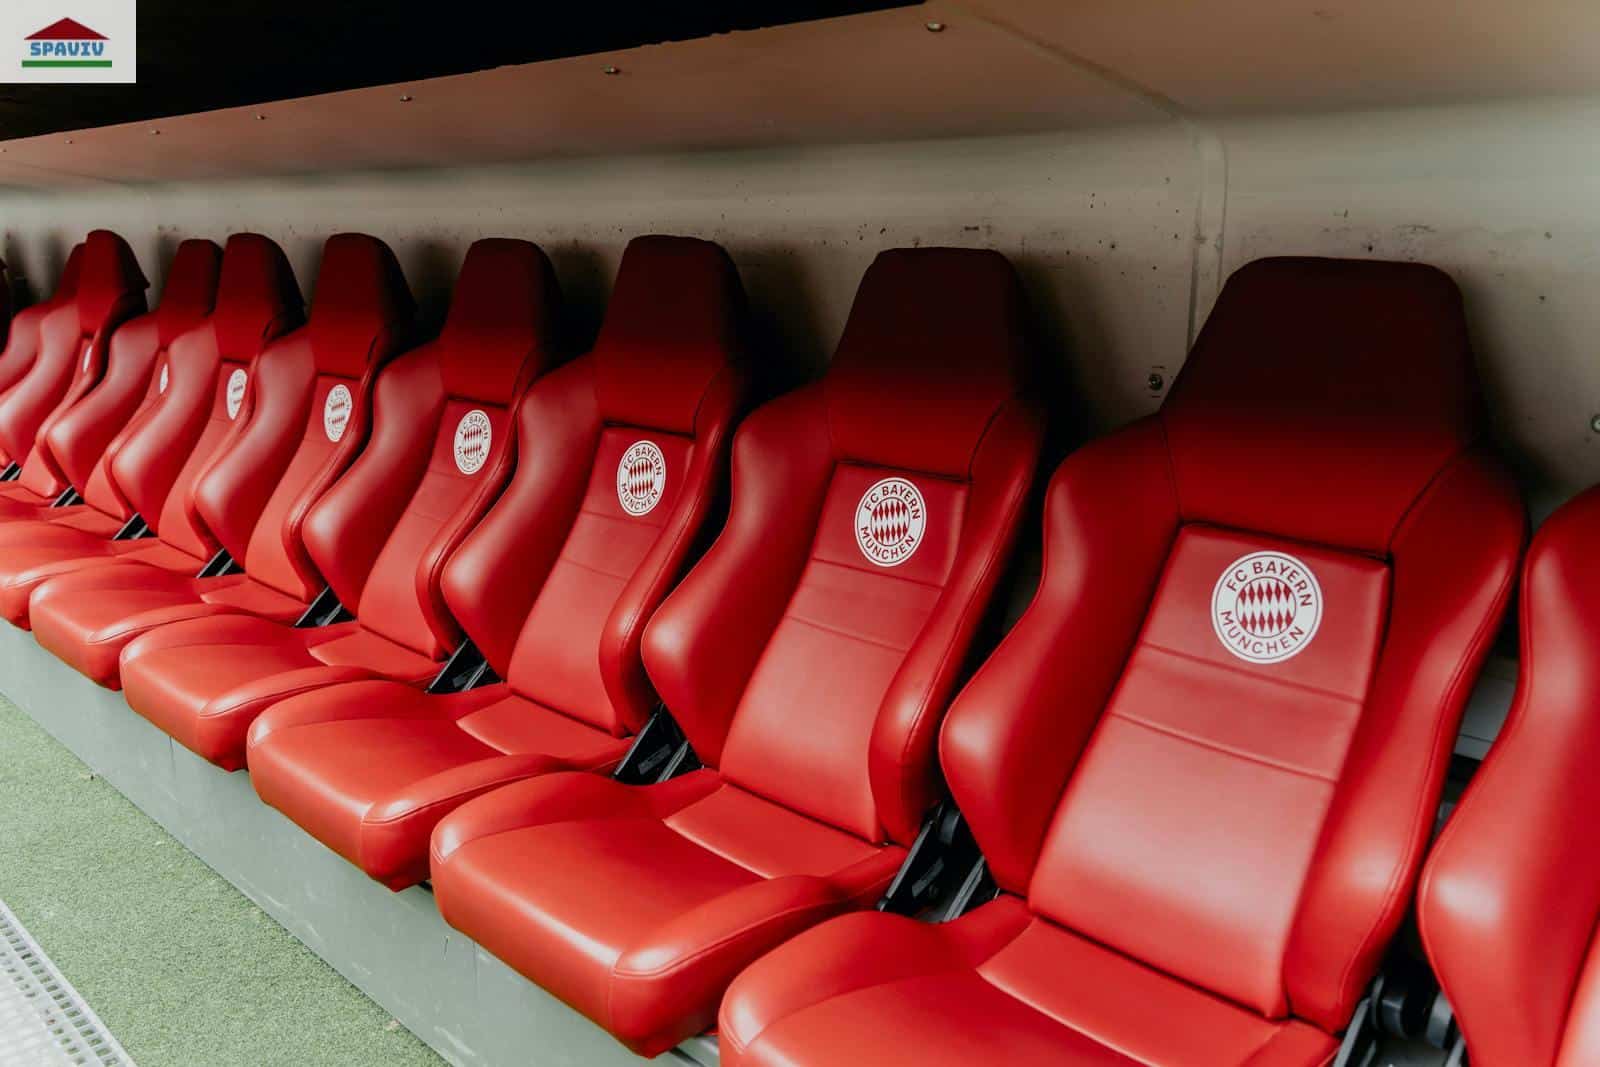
(641,478)
(473,434)
(890,520)
(1266,607)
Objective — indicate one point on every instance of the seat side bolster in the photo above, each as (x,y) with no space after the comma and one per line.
(622,668)
(1014,734)
(855,952)
(351,522)
(1515,876)
(905,778)
(1454,561)
(668,987)
(493,578)
(702,644)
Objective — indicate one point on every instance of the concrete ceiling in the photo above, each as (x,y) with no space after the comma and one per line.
(994,66)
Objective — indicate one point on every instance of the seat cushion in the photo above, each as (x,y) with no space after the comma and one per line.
(17,501)
(205,680)
(998,985)
(79,517)
(370,767)
(55,550)
(712,876)
(87,617)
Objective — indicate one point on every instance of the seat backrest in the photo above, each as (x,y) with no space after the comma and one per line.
(302,407)
(72,341)
(1215,740)
(152,466)
(22,338)
(438,452)
(1509,902)
(72,445)
(810,655)
(620,456)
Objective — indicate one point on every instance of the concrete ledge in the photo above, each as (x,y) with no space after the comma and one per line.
(467,1005)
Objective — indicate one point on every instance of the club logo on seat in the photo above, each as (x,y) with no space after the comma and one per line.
(890,520)
(235,394)
(641,478)
(473,435)
(336,411)
(161,386)
(1266,607)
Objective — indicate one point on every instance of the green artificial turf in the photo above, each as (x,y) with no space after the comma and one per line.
(181,967)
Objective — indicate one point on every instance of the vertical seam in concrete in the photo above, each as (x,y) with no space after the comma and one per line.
(1210,157)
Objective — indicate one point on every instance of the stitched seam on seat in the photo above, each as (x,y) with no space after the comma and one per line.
(455,799)
(1037,1009)
(1216,746)
(789,617)
(1253,675)
(591,569)
(726,939)
(876,572)
(699,843)
(274,696)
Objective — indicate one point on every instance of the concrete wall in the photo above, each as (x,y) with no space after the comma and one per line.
(1122,235)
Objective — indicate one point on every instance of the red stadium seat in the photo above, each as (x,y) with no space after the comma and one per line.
(1511,895)
(808,658)
(436,458)
(22,335)
(78,447)
(619,458)
(1204,765)
(74,341)
(254,476)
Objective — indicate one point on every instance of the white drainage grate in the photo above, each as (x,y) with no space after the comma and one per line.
(43,1020)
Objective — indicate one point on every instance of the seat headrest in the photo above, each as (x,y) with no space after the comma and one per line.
(361,292)
(256,287)
(675,320)
(1321,398)
(191,288)
(502,313)
(107,276)
(67,284)
(936,343)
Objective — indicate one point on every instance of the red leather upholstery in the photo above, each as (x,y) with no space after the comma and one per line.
(76,444)
(74,340)
(1510,897)
(152,463)
(554,585)
(436,458)
(1204,764)
(22,335)
(808,657)
(263,458)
